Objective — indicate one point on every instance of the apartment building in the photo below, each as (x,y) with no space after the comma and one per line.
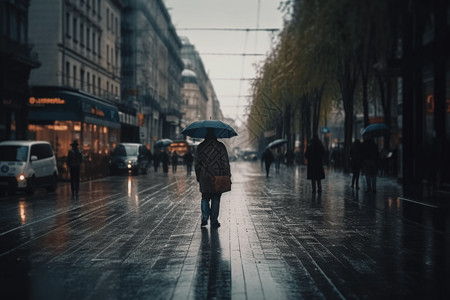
(76,91)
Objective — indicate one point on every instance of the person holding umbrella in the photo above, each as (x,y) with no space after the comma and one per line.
(211,163)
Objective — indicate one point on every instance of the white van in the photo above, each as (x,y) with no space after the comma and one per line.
(26,165)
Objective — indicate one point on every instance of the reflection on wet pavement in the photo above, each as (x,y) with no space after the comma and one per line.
(139,237)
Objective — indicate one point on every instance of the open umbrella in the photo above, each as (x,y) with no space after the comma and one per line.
(276,143)
(376,129)
(163,143)
(198,129)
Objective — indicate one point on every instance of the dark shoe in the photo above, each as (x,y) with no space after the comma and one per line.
(357,187)
(215,225)
(204,223)
(351,186)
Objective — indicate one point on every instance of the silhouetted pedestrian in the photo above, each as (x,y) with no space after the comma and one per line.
(156,159)
(211,160)
(278,159)
(355,162)
(370,158)
(267,158)
(188,160)
(315,154)
(174,161)
(74,160)
(164,156)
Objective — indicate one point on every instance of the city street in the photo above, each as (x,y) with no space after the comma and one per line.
(139,237)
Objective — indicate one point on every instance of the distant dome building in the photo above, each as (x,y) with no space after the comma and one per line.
(189,76)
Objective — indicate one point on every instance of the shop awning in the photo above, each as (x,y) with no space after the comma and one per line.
(55,103)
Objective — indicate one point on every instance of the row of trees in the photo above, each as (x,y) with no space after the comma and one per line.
(329,54)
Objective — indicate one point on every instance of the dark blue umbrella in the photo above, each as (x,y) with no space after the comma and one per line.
(163,143)
(276,143)
(376,129)
(198,129)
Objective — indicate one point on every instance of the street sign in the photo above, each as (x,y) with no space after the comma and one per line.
(325,130)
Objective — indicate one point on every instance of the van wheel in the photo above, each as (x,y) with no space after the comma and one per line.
(31,186)
(54,184)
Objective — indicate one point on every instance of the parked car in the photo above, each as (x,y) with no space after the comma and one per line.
(130,157)
(27,165)
(249,155)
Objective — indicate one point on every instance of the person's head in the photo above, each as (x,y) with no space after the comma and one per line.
(210,135)
(74,144)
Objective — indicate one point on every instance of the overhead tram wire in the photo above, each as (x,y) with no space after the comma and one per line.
(235,54)
(229,29)
(247,30)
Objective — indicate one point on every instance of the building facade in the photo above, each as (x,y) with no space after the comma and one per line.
(151,69)
(16,61)
(76,91)
(424,86)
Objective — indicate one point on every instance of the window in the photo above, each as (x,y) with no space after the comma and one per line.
(107,88)
(112,20)
(107,18)
(99,47)
(74,29)
(93,84)
(88,85)
(99,86)
(74,76)
(117,27)
(116,58)
(88,38)
(112,56)
(67,73)
(82,78)
(81,34)
(41,151)
(93,42)
(107,54)
(68,24)
(99,8)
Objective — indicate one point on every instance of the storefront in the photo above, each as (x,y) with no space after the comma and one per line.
(61,115)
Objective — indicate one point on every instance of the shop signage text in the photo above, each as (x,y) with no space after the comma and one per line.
(42,101)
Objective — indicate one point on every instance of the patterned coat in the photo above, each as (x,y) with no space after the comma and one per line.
(211,160)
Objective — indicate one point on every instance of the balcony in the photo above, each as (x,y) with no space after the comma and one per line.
(19,52)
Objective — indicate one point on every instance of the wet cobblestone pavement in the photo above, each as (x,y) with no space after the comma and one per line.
(140,238)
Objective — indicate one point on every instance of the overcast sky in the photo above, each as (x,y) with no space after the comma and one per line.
(226,71)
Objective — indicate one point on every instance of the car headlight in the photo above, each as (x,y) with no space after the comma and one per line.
(21,177)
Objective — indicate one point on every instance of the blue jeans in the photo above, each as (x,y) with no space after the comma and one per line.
(211,212)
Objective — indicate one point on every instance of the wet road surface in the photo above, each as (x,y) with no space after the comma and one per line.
(139,237)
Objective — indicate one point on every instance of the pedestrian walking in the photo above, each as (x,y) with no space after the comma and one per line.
(315,154)
(156,158)
(355,162)
(74,160)
(174,161)
(370,158)
(211,161)
(267,157)
(164,156)
(278,159)
(188,160)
